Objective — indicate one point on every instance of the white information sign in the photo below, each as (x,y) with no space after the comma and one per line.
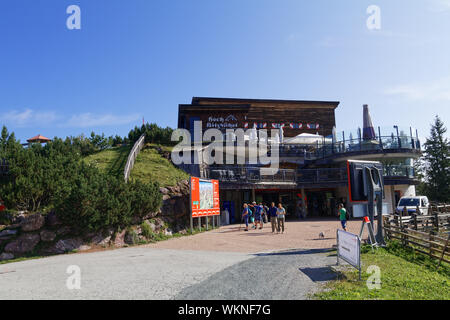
(349,248)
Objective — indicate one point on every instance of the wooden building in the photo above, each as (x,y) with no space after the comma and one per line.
(295,116)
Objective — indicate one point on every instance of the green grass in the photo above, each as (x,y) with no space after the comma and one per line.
(405,275)
(151,166)
(111,161)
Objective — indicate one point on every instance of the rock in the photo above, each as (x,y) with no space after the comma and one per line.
(119,239)
(103,238)
(19,218)
(163,190)
(132,236)
(165,197)
(7,234)
(47,235)
(68,245)
(52,220)
(159,224)
(168,232)
(151,225)
(25,243)
(33,222)
(6,256)
(63,231)
(182,231)
(13,226)
(84,248)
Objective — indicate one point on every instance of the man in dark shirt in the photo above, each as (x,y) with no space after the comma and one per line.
(273,216)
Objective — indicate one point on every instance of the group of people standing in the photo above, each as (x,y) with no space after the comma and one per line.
(258,214)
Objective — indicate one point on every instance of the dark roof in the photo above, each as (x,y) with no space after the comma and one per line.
(196,100)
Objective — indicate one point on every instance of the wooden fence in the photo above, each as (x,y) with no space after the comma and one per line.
(425,234)
(139,144)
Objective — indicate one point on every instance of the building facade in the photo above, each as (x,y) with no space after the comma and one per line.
(312,178)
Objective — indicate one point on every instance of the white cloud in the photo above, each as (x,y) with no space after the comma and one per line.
(439,5)
(92,120)
(438,90)
(27,117)
(32,118)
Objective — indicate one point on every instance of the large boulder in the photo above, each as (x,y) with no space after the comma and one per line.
(68,245)
(6,256)
(103,238)
(47,235)
(7,234)
(63,231)
(119,239)
(52,219)
(32,222)
(25,243)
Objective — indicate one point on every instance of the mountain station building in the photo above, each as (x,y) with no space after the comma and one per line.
(312,176)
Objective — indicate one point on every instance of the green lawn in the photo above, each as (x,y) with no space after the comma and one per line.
(151,166)
(111,160)
(405,275)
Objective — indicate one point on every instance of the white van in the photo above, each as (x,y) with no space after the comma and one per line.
(411,204)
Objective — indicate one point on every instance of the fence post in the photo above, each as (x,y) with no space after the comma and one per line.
(431,238)
(436,220)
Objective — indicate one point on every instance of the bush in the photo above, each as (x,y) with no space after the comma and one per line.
(55,177)
(146,230)
(98,201)
(153,134)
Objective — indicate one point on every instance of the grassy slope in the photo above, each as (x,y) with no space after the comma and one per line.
(404,276)
(151,166)
(112,160)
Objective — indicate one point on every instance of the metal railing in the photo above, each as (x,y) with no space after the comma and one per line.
(322,149)
(139,144)
(398,170)
(301,176)
(322,175)
(251,175)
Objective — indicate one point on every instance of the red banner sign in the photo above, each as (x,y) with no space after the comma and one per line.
(205,199)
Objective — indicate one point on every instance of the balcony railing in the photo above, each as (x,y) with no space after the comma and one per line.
(254,175)
(398,170)
(318,176)
(323,149)
(251,175)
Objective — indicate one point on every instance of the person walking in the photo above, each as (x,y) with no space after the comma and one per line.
(273,216)
(281,218)
(245,214)
(252,208)
(258,215)
(342,213)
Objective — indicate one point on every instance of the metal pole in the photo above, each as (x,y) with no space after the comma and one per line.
(190,206)
(337,247)
(214,221)
(199,223)
(207,218)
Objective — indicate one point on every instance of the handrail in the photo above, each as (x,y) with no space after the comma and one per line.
(137,147)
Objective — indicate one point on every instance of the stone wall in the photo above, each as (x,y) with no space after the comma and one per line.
(31,234)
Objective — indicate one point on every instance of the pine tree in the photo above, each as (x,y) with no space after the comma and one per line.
(437,163)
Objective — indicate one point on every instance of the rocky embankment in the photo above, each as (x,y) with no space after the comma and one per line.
(30,234)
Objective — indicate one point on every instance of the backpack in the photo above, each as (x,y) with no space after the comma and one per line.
(250,212)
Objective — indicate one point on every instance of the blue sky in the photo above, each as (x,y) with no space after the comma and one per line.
(141,58)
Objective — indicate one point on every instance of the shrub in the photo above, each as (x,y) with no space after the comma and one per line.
(146,230)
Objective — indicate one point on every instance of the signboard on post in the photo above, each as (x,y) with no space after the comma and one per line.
(205,200)
(349,249)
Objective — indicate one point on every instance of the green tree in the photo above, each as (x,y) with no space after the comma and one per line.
(437,163)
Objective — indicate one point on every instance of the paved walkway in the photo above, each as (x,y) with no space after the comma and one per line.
(225,263)
(298,235)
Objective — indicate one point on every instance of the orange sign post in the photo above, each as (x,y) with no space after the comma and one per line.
(204,200)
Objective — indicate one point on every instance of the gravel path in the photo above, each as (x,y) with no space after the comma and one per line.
(290,275)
